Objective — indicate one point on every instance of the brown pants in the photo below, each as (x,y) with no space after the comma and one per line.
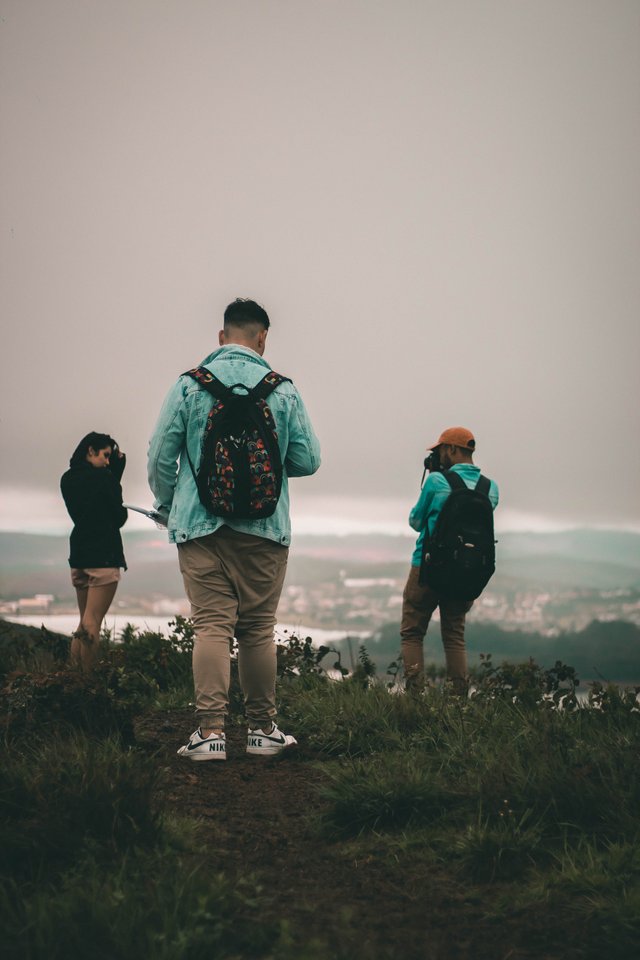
(418,604)
(233,582)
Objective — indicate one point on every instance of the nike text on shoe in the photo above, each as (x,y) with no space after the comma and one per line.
(261,744)
(204,748)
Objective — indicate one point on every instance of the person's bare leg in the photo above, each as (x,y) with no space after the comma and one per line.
(98,602)
(76,638)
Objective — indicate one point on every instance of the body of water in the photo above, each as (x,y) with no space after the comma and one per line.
(116,622)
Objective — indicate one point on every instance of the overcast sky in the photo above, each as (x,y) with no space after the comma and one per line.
(437,202)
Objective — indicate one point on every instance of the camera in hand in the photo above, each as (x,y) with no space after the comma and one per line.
(432,462)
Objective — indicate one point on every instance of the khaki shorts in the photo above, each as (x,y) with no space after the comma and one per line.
(87,577)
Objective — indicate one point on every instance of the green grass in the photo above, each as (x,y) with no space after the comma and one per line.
(90,866)
(597,886)
(496,789)
(155,904)
(58,795)
(529,809)
(573,770)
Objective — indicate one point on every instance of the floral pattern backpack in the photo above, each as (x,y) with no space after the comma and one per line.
(240,472)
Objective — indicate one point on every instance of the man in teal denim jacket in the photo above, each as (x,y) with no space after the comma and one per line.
(233,571)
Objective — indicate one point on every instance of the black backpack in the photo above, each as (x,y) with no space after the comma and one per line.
(459,558)
(240,472)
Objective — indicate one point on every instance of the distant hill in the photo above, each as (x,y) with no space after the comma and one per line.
(605,650)
(581,559)
(32,563)
(616,547)
(551,572)
(592,559)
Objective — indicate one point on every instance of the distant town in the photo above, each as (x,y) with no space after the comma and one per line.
(368,603)
(545,584)
(364,604)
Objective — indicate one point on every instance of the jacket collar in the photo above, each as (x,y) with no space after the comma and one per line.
(234,351)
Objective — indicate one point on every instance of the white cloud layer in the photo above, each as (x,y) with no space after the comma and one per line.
(35,511)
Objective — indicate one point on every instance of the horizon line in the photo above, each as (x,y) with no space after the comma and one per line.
(338,530)
(41,512)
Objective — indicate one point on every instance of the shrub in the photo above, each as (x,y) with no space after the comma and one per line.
(127,678)
(527,683)
(615,701)
(100,704)
(297,657)
(29,648)
(165,660)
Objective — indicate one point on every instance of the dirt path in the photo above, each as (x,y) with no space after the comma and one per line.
(260,817)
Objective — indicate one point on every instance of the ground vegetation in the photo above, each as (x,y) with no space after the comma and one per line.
(500,826)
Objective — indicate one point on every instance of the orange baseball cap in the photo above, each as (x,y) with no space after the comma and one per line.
(456,437)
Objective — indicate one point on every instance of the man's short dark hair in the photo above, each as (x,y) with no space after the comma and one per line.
(242,313)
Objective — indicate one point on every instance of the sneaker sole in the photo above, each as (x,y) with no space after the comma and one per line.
(201,756)
(269,751)
(198,757)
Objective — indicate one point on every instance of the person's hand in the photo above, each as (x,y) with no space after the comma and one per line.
(118,461)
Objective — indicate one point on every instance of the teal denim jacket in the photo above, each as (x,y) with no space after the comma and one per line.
(180,428)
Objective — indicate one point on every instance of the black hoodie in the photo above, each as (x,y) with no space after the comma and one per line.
(93,497)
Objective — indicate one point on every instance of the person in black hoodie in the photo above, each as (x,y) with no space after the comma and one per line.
(93,496)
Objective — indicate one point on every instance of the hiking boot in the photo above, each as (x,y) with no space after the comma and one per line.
(213,747)
(261,744)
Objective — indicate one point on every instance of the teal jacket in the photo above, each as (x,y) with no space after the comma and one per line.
(180,428)
(431,500)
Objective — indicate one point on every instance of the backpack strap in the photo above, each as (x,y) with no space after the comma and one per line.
(454,479)
(212,385)
(457,483)
(208,382)
(268,384)
(483,485)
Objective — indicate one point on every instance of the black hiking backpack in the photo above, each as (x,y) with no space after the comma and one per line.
(459,558)
(240,472)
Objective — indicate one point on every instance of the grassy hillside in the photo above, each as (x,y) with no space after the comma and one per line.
(403,828)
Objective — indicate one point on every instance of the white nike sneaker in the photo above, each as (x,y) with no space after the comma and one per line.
(261,744)
(213,747)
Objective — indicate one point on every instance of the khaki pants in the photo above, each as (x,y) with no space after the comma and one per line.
(233,582)
(418,604)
